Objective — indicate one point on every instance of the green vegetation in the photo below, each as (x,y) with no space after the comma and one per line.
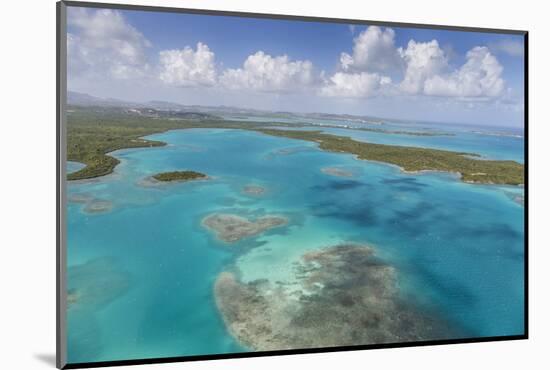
(92,133)
(95,132)
(415,159)
(384,131)
(179,176)
(90,137)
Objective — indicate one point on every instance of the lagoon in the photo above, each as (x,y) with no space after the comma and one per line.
(457,248)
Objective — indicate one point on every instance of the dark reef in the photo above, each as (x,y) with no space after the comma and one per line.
(344,296)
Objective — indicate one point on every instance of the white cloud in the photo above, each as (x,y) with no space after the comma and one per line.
(262,72)
(479,77)
(354,85)
(425,69)
(373,51)
(188,68)
(510,47)
(423,60)
(364,73)
(102,44)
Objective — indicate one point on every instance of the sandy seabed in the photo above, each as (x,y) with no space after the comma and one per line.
(231,228)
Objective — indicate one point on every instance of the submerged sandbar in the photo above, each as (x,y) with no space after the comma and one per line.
(335,171)
(90,203)
(255,190)
(516,198)
(98,206)
(231,228)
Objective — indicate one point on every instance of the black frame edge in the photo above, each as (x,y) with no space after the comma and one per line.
(526,182)
(61,98)
(227,356)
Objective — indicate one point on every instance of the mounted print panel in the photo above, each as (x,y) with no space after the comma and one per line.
(236,185)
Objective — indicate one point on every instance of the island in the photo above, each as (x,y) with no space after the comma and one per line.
(92,134)
(179,176)
(470,166)
(383,131)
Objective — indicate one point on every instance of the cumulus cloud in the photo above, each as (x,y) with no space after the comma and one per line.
(364,73)
(355,85)
(103,43)
(423,60)
(513,48)
(373,51)
(263,72)
(188,67)
(424,66)
(479,77)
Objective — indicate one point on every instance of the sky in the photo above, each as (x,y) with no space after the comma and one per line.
(297,66)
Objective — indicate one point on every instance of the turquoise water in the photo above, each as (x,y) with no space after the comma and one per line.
(458,248)
(489,142)
(74,166)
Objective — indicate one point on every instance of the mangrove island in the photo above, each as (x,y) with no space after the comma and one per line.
(179,176)
(94,134)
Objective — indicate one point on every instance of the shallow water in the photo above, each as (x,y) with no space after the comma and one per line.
(74,166)
(489,142)
(458,248)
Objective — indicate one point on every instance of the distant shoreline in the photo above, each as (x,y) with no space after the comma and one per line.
(90,144)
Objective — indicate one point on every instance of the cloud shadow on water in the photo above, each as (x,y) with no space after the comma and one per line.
(407,184)
(416,220)
(362,214)
(340,185)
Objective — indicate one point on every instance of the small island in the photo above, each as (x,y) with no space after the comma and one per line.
(179,176)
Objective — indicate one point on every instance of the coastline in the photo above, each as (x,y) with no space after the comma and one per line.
(473,171)
(400,157)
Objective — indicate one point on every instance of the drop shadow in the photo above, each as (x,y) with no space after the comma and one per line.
(46,358)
